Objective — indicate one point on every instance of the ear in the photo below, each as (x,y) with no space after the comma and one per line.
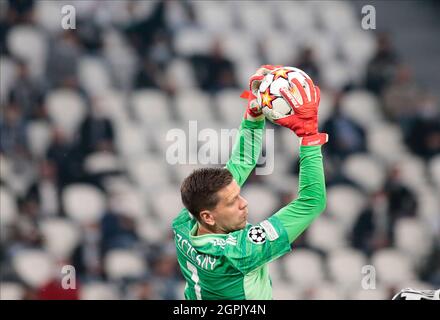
(207,217)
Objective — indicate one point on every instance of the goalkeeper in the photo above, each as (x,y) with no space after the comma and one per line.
(220,254)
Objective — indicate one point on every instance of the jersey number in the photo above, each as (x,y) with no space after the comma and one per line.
(195,278)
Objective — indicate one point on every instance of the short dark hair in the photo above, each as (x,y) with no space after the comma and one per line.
(199,189)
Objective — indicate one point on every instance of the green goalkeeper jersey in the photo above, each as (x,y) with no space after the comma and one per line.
(234,266)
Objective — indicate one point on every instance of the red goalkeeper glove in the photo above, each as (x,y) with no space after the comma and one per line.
(304,121)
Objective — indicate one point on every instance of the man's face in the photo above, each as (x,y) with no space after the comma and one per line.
(231,211)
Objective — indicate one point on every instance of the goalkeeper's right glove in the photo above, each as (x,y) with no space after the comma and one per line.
(304,121)
(253,111)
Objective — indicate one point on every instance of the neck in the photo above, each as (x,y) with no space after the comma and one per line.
(202,230)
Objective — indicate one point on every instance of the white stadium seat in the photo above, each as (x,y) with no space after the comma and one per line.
(251,13)
(230,106)
(262,202)
(412,237)
(66,109)
(93,75)
(47,15)
(377,293)
(294,16)
(335,75)
(39,137)
(279,47)
(215,16)
(84,203)
(34,267)
(193,41)
(150,106)
(60,237)
(166,205)
(392,267)
(326,291)
(130,203)
(366,171)
(99,291)
(412,171)
(131,140)
(434,170)
(345,204)
(22,37)
(345,268)
(361,106)
(286,291)
(326,234)
(194,105)
(149,172)
(304,268)
(8,207)
(11,291)
(119,264)
(385,140)
(150,231)
(112,103)
(181,74)
(102,162)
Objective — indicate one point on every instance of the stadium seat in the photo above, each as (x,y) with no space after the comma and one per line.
(181,74)
(429,207)
(412,171)
(345,204)
(130,203)
(345,267)
(22,37)
(326,234)
(34,267)
(326,291)
(66,109)
(335,75)
(124,264)
(385,140)
(304,268)
(366,171)
(166,205)
(112,103)
(39,137)
(93,75)
(250,15)
(392,267)
(231,107)
(361,106)
(149,172)
(411,236)
(336,16)
(11,291)
(151,231)
(194,105)
(192,41)
(47,15)
(150,106)
(60,237)
(214,17)
(294,16)
(83,203)
(262,202)
(8,74)
(8,207)
(434,171)
(99,291)
(102,162)
(131,140)
(279,47)
(285,291)
(378,293)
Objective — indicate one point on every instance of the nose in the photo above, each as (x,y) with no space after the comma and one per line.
(243,203)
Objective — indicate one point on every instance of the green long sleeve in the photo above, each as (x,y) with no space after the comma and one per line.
(246,150)
(311,201)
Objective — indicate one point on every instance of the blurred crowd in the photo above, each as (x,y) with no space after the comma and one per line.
(78,119)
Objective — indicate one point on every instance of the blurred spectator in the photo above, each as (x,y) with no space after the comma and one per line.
(66,158)
(118,230)
(45,190)
(423,132)
(165,271)
(64,56)
(12,130)
(401,97)
(381,68)
(142,290)
(96,131)
(27,92)
(306,62)
(149,75)
(348,137)
(215,71)
(21,11)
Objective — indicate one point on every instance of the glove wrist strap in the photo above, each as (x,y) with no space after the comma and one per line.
(314,140)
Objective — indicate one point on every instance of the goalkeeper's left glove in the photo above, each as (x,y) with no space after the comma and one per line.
(304,121)
(253,111)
